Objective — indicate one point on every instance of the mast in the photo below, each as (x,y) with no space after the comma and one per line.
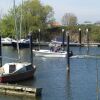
(15,26)
(16,30)
(21,19)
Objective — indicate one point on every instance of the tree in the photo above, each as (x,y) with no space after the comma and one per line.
(35,15)
(69,19)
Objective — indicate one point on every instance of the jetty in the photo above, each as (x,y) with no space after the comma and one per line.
(18,90)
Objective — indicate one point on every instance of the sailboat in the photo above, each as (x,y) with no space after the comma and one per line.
(23,43)
(17,71)
(56,50)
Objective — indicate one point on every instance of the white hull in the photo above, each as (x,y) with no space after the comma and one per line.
(48,53)
(12,72)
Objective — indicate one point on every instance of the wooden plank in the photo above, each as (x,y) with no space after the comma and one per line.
(14,89)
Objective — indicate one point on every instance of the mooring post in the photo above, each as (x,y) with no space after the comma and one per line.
(80,36)
(0,52)
(63,41)
(31,54)
(68,50)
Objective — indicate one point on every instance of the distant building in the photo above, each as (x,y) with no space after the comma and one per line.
(87,23)
(54,24)
(97,23)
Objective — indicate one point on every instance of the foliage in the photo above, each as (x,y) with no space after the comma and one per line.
(34,14)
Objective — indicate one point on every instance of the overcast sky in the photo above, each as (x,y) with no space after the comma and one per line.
(85,10)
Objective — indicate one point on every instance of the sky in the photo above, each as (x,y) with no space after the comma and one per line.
(84,10)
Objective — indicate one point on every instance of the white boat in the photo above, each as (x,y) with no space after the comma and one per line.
(23,43)
(12,72)
(6,41)
(15,71)
(49,53)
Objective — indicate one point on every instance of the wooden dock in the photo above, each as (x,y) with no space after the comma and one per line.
(71,44)
(18,90)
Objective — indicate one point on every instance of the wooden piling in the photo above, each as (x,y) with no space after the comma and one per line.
(68,50)
(80,36)
(63,42)
(31,55)
(0,52)
(18,90)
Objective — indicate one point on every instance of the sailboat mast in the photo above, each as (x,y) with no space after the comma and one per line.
(21,19)
(16,30)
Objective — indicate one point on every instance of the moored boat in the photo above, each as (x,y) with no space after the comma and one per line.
(23,43)
(12,72)
(6,41)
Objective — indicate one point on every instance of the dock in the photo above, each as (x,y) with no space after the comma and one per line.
(70,44)
(18,90)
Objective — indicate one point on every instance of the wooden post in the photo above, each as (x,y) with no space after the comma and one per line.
(0,52)
(63,41)
(31,55)
(80,36)
(68,50)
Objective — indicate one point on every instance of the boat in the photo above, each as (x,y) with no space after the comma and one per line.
(57,49)
(23,43)
(17,71)
(49,53)
(6,41)
(13,72)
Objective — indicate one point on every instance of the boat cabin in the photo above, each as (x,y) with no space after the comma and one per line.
(14,67)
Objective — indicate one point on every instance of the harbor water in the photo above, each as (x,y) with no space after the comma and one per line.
(82,83)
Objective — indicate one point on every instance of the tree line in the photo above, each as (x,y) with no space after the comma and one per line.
(32,16)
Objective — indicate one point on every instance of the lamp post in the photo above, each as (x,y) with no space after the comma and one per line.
(87,39)
(63,37)
(80,35)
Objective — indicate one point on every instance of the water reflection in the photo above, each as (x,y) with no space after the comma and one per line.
(57,83)
(69,88)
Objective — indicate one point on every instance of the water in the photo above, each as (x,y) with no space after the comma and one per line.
(57,83)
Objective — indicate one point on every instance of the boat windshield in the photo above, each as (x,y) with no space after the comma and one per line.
(55,47)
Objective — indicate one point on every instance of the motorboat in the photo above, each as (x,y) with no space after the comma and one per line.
(23,43)
(56,50)
(12,72)
(49,53)
(6,41)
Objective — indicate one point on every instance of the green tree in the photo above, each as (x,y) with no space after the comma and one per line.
(35,15)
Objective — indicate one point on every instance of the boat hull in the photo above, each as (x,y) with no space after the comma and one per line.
(16,77)
(48,53)
(21,45)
